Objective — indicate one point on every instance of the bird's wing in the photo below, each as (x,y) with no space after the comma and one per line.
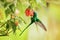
(36,25)
(41,25)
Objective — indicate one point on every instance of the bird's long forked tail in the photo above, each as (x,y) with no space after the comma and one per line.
(41,25)
(25,28)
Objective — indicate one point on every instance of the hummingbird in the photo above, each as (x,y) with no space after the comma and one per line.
(34,19)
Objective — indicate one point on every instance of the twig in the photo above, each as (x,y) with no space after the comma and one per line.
(10,32)
(3,24)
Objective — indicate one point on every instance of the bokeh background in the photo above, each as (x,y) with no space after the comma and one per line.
(50,16)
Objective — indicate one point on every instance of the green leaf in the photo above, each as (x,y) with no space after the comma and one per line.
(7,11)
(2,0)
(12,7)
(6,4)
(21,19)
(13,27)
(2,33)
(7,26)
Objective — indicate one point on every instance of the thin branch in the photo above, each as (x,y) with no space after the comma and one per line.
(3,24)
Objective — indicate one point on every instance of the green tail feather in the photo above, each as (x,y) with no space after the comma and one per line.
(25,29)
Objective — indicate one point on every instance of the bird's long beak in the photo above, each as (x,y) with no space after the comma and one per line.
(41,25)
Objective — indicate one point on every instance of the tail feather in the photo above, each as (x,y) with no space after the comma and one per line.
(25,29)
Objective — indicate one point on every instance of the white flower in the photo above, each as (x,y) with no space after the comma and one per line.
(16,11)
